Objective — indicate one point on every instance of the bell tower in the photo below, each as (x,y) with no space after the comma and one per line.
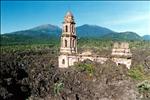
(68,48)
(68,37)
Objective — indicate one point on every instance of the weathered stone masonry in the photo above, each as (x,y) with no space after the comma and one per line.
(68,51)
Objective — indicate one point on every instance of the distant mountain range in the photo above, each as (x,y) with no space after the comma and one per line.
(123,36)
(92,31)
(47,29)
(52,32)
(146,37)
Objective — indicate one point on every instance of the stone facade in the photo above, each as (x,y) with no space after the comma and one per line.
(121,49)
(121,54)
(68,51)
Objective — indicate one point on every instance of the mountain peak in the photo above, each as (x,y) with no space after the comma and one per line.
(128,32)
(87,30)
(88,25)
(45,26)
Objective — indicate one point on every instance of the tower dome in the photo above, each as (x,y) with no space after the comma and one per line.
(69,17)
(69,14)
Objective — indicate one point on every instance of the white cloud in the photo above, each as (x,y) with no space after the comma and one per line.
(138,22)
(129,19)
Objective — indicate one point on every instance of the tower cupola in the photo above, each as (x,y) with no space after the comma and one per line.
(69,17)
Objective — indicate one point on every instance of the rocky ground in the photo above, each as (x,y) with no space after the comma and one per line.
(35,76)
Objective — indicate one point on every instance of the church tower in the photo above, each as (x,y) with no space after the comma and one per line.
(68,48)
(68,38)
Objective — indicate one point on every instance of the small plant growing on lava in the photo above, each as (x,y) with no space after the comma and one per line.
(58,87)
(137,73)
(86,67)
(144,88)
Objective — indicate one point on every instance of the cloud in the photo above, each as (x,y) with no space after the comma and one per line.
(138,22)
(130,19)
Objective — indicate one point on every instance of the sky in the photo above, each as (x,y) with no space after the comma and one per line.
(118,16)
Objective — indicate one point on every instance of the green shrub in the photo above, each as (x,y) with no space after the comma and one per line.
(58,87)
(144,88)
(137,73)
(89,68)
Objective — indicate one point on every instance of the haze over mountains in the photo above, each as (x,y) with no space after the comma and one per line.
(51,32)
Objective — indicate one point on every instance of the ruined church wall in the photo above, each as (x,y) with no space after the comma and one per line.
(63,61)
(124,61)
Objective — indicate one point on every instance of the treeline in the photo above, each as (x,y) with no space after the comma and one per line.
(99,43)
(16,39)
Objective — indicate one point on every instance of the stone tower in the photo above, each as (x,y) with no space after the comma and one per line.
(68,40)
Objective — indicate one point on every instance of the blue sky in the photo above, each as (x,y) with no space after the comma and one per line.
(116,15)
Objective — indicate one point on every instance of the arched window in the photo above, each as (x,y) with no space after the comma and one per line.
(73,44)
(65,43)
(61,42)
(63,61)
(72,28)
(66,27)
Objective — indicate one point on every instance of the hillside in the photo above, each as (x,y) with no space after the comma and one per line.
(50,33)
(146,37)
(123,36)
(92,31)
(41,34)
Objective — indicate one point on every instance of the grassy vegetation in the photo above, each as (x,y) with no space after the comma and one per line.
(22,48)
(86,43)
(137,73)
(139,44)
(89,68)
(107,44)
(144,88)
(95,43)
(17,39)
(82,42)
